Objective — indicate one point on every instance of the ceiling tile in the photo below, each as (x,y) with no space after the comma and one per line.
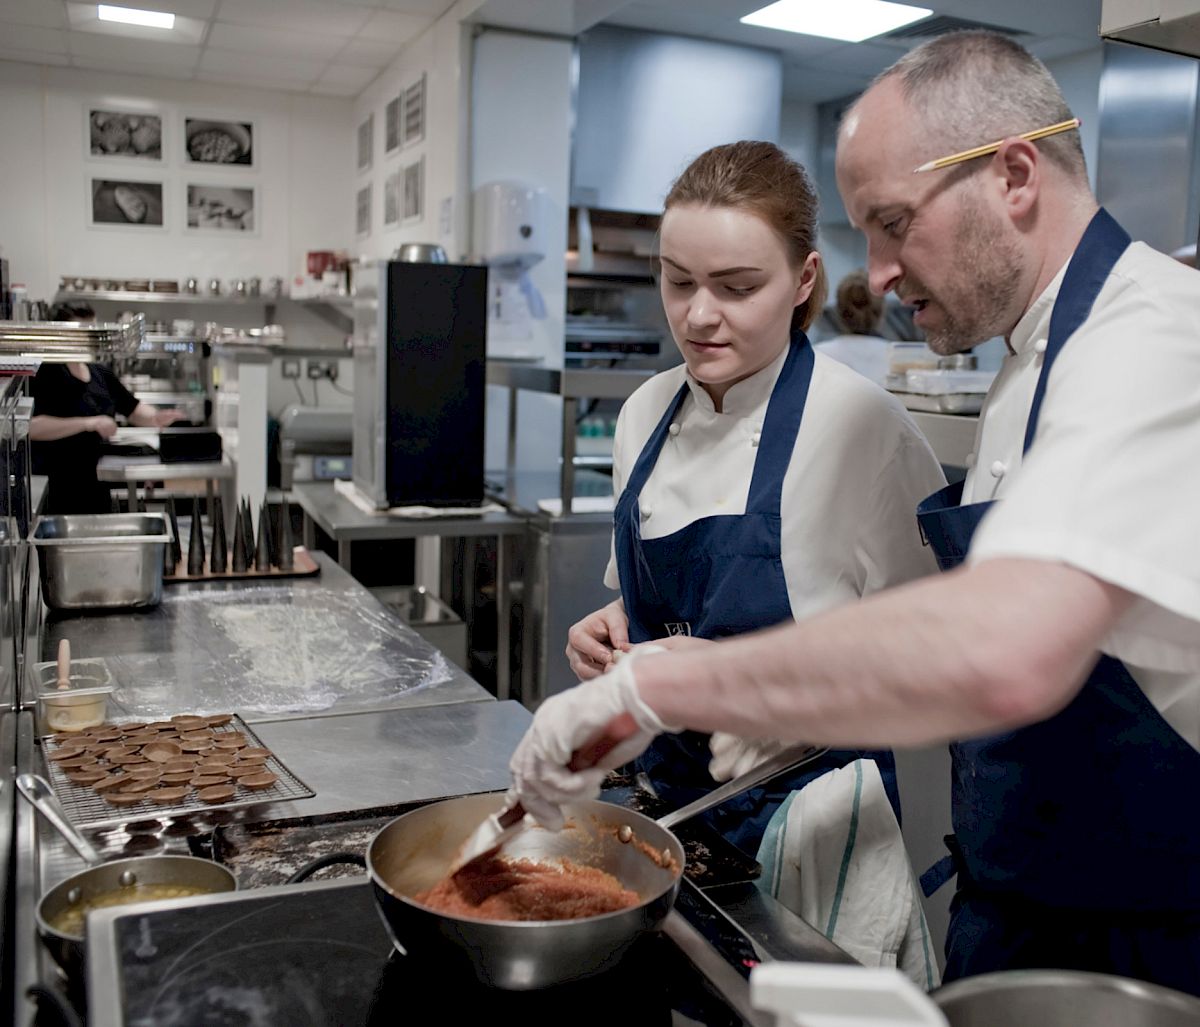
(851,58)
(399,28)
(33,37)
(34,12)
(423,8)
(188,8)
(281,68)
(376,53)
(134,51)
(302,15)
(29,57)
(85,18)
(277,42)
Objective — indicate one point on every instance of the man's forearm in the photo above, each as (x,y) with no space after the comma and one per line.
(973,652)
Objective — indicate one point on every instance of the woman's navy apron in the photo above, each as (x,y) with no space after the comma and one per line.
(1077,840)
(716,577)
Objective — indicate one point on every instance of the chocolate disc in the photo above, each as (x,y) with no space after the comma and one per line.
(122,798)
(87,777)
(240,770)
(219,718)
(107,784)
(160,725)
(178,778)
(254,752)
(208,780)
(189,722)
(166,796)
(257,781)
(162,752)
(180,765)
(216,793)
(136,787)
(135,727)
(144,772)
(67,753)
(130,760)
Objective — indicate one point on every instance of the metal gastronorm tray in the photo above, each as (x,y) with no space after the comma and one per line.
(86,808)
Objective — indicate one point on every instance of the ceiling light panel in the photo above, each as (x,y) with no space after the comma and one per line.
(86,18)
(135,16)
(848,20)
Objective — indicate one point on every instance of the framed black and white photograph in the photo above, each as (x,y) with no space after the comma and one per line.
(391,125)
(414,186)
(414,112)
(121,203)
(362,212)
(221,143)
(391,199)
(124,135)
(366,142)
(222,208)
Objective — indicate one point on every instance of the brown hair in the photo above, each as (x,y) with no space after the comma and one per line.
(858,308)
(761,179)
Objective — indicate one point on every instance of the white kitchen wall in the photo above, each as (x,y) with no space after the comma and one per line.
(303,172)
(442,55)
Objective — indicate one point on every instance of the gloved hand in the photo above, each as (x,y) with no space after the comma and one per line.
(733,756)
(568,721)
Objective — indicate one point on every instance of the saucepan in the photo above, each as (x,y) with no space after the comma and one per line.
(415,851)
(118,881)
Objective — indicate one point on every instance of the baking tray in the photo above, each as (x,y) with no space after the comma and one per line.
(87,809)
(305,567)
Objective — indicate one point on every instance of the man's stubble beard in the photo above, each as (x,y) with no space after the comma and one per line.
(977,298)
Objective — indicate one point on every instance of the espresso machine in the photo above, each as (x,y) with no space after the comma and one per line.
(419,379)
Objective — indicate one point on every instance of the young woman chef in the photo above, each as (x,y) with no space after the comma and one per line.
(757,482)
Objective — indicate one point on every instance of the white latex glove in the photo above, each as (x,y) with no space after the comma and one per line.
(733,756)
(568,721)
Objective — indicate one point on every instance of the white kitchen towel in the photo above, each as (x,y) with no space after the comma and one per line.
(833,854)
(350,491)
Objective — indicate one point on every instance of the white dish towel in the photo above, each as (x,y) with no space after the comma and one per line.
(833,854)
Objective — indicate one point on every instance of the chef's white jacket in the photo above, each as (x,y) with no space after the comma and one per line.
(848,507)
(1111,484)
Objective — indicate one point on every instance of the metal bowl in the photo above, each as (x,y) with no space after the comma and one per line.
(1063,998)
(420,253)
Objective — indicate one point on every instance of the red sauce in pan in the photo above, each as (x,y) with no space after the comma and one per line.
(524,889)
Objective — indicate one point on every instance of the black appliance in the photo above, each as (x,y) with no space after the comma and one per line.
(419,380)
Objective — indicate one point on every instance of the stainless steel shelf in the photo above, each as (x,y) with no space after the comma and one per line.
(197,299)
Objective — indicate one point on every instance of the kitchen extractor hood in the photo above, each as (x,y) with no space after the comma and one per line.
(1171,25)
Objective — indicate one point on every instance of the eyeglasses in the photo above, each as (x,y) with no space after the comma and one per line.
(981,151)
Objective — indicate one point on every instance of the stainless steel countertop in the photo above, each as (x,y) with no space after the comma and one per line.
(269,649)
(341,519)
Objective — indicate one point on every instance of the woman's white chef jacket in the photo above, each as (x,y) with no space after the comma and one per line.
(858,469)
(1112,482)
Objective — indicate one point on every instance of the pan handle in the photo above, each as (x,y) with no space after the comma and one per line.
(333,859)
(37,790)
(780,763)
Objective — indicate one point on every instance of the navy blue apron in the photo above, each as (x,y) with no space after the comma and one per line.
(716,577)
(1076,840)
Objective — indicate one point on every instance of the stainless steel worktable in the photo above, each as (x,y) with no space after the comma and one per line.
(269,649)
(345,523)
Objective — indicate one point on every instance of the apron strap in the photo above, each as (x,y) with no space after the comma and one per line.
(1098,251)
(944,869)
(781,424)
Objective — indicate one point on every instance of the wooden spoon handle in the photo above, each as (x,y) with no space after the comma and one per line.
(64,664)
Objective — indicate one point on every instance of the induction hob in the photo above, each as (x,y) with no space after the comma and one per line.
(319,954)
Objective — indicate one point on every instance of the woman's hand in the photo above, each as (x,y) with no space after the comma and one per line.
(103,426)
(163,418)
(592,641)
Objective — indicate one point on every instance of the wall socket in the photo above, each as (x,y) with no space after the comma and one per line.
(323,369)
(290,368)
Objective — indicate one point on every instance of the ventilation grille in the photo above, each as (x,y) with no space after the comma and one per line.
(939,25)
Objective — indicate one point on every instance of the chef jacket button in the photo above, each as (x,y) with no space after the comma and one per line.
(970,461)
(674,429)
(755,438)
(645,510)
(999,468)
(1040,345)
